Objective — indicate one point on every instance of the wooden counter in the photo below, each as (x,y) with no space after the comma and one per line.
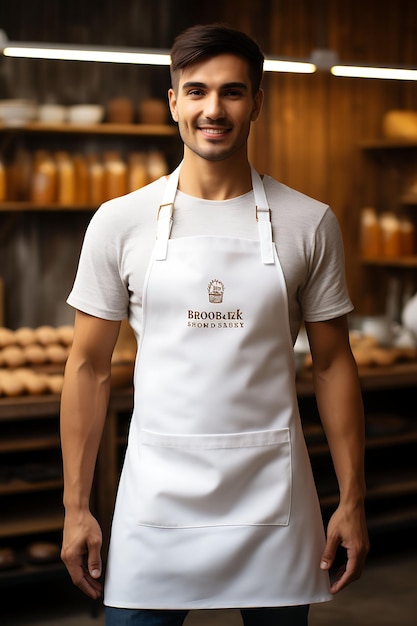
(372,378)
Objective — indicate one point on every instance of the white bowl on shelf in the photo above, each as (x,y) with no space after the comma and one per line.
(52,113)
(17,112)
(85,114)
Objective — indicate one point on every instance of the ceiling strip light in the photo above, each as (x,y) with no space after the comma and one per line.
(80,54)
(364,71)
(162,57)
(33,51)
(299,67)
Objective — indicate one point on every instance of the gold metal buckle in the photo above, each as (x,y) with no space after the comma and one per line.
(171,204)
(262,211)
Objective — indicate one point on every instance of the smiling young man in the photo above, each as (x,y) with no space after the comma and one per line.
(215,267)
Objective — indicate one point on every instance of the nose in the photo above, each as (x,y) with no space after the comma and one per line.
(213,106)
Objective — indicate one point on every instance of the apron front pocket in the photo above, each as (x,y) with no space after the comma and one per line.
(191,481)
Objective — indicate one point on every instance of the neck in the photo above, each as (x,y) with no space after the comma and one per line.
(215,180)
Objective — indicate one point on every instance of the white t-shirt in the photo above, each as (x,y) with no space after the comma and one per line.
(120,237)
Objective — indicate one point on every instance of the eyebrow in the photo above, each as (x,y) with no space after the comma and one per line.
(233,85)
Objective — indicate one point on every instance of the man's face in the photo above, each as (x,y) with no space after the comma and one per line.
(214,106)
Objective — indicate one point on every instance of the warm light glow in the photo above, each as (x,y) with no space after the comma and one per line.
(32,51)
(162,57)
(298,67)
(75,54)
(373,72)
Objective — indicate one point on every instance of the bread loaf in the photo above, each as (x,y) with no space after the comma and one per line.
(35,354)
(65,334)
(46,335)
(34,384)
(13,356)
(6,337)
(55,382)
(56,353)
(43,552)
(25,336)
(11,385)
(400,124)
(7,558)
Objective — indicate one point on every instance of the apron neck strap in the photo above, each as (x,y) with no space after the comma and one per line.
(263,217)
(166,213)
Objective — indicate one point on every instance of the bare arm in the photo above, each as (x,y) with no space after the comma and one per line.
(339,401)
(83,410)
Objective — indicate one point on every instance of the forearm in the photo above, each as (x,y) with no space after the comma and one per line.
(341,411)
(83,410)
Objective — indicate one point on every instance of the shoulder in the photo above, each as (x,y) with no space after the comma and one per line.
(280,195)
(296,212)
(139,206)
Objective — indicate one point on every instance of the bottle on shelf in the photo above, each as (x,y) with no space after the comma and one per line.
(390,235)
(408,236)
(115,175)
(43,183)
(370,234)
(157,165)
(81,180)
(66,178)
(95,178)
(137,175)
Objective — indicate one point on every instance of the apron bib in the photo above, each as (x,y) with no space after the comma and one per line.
(216,506)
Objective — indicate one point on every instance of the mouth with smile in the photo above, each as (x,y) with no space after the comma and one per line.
(212,132)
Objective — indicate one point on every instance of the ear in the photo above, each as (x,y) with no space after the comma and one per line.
(257,105)
(172,99)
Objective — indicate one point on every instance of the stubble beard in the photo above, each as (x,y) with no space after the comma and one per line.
(217,154)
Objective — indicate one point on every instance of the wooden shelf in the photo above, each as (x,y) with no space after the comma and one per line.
(392,487)
(26,444)
(17,525)
(387,144)
(400,518)
(27,407)
(377,377)
(387,490)
(94,129)
(406,261)
(11,207)
(21,486)
(27,572)
(408,199)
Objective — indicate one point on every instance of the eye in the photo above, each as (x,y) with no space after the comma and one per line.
(233,93)
(195,92)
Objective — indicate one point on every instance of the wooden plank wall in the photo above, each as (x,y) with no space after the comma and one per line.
(311,126)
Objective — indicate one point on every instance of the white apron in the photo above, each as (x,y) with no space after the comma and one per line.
(216,506)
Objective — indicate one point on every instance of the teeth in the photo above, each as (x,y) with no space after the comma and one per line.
(214,131)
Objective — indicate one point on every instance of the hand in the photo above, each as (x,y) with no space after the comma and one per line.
(346,529)
(81,552)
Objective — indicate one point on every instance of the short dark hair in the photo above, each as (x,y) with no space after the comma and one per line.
(209,40)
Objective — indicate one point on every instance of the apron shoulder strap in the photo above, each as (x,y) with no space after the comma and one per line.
(165,216)
(263,217)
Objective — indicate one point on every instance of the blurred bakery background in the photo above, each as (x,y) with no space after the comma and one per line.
(75,133)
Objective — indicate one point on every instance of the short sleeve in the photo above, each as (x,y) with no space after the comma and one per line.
(325,294)
(98,287)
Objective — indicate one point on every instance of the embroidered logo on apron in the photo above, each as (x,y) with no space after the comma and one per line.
(215,291)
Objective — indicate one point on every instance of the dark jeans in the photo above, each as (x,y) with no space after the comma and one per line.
(279,616)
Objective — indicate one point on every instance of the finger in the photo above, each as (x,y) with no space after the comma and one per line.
(91,587)
(329,553)
(94,561)
(346,574)
(77,569)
